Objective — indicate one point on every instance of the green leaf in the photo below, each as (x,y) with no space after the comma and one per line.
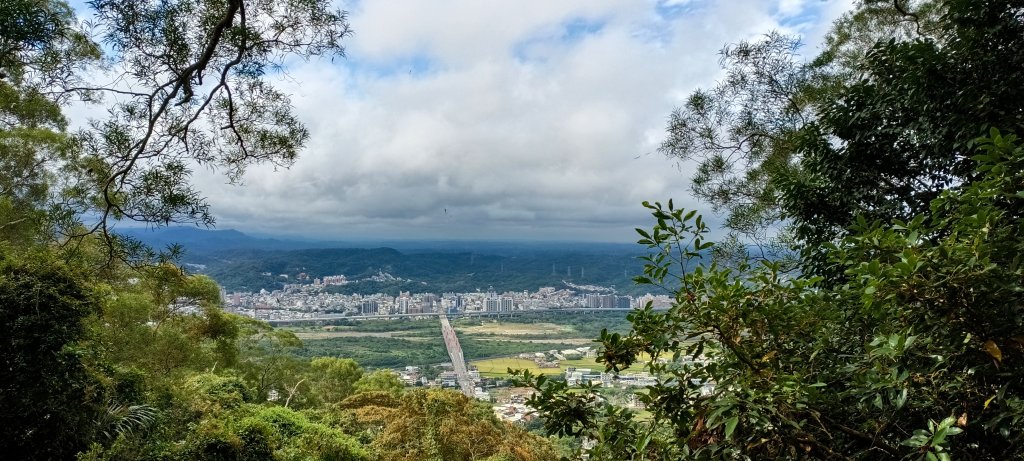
(901,399)
(730,425)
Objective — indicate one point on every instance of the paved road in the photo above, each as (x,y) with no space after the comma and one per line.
(451,341)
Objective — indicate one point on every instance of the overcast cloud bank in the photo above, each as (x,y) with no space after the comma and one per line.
(500,119)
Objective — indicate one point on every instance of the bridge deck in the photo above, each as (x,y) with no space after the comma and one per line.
(451,341)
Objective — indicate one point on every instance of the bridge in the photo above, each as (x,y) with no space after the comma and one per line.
(451,341)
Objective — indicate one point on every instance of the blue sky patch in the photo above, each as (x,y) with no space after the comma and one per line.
(415,65)
(577,29)
(670,10)
(571,32)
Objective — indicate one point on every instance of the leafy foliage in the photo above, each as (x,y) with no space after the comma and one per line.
(743,133)
(902,133)
(47,397)
(199,69)
(900,338)
(879,124)
(39,50)
(137,360)
(761,364)
(431,424)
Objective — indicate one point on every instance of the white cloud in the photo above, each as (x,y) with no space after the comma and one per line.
(791,7)
(512,132)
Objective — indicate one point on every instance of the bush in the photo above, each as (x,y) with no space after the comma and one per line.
(259,439)
(210,392)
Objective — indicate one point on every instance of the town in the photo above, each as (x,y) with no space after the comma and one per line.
(314,301)
(299,303)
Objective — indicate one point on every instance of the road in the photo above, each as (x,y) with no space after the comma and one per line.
(451,341)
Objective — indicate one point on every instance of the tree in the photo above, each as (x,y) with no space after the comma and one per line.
(48,399)
(743,132)
(39,50)
(380,381)
(269,363)
(889,143)
(333,379)
(900,338)
(188,83)
(877,123)
(918,347)
(198,93)
(94,355)
(441,424)
(872,22)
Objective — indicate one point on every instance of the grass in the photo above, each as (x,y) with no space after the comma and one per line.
(324,334)
(497,368)
(493,368)
(392,343)
(516,329)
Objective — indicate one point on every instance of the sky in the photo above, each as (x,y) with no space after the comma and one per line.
(498,120)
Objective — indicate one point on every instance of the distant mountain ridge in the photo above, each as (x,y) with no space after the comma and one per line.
(245,263)
(199,241)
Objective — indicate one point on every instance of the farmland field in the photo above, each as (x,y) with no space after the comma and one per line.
(509,328)
(397,343)
(494,368)
(545,325)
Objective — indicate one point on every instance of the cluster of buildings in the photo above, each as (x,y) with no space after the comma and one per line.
(313,301)
(514,408)
(413,376)
(580,376)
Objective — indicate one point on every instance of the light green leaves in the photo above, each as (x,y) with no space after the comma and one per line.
(931,442)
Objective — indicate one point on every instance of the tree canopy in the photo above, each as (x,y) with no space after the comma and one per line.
(184,84)
(892,162)
(879,123)
(111,351)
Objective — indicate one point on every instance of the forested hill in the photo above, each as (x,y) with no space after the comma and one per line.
(240,262)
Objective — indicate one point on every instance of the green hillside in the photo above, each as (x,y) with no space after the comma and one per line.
(436,272)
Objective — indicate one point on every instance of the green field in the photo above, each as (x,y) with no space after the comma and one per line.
(496,368)
(493,368)
(397,343)
(550,325)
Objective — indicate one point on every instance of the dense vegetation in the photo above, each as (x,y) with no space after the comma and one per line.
(379,352)
(893,330)
(885,178)
(398,352)
(110,351)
